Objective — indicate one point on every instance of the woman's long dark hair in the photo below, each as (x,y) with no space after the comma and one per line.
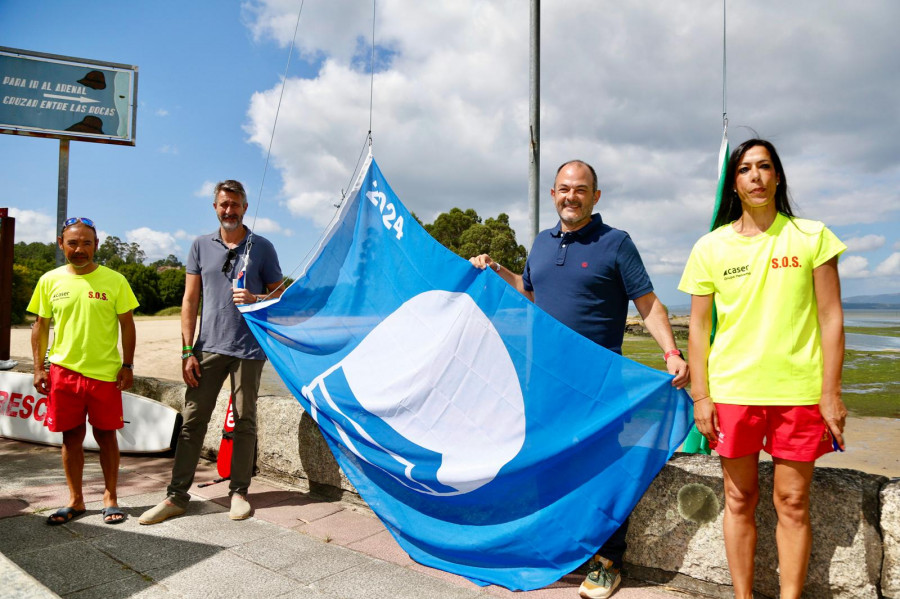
(731,210)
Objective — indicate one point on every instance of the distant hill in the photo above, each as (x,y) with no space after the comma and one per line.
(884,301)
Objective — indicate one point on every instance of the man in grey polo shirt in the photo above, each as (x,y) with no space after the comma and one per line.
(220,266)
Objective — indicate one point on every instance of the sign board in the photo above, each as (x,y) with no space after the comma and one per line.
(45,95)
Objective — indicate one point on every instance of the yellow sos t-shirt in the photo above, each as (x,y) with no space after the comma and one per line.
(85,311)
(767,349)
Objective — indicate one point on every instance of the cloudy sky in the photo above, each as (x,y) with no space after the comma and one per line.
(635,88)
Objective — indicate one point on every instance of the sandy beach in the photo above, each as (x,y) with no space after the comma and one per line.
(873,444)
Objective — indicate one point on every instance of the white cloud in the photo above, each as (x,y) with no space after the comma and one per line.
(624,86)
(267,225)
(854,267)
(866,243)
(890,267)
(206,190)
(162,112)
(168,149)
(156,244)
(33,226)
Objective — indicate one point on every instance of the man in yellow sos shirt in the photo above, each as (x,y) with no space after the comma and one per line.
(89,303)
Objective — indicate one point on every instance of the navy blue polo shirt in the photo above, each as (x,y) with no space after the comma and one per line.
(586,278)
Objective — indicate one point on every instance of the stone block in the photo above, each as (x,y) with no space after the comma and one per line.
(890,533)
(676,532)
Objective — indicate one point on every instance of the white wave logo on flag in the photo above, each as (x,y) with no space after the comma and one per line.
(452,367)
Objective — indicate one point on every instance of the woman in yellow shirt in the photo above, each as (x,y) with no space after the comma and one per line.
(771,379)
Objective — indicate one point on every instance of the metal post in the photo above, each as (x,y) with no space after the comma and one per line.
(62,194)
(534,110)
(7,247)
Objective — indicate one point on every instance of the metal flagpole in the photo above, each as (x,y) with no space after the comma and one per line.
(534,106)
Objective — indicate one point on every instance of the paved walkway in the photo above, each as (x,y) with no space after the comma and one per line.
(294,547)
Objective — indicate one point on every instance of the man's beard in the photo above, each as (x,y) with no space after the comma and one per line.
(229,226)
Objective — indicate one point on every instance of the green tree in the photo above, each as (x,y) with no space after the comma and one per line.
(448,227)
(30,261)
(144,283)
(114,252)
(170,260)
(466,235)
(171,287)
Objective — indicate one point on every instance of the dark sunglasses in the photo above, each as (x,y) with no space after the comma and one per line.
(226,268)
(75,220)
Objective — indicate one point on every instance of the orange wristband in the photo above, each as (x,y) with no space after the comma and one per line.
(670,353)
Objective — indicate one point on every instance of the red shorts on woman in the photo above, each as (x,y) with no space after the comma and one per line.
(74,397)
(796,433)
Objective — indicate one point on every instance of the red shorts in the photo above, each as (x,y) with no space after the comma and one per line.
(73,395)
(795,433)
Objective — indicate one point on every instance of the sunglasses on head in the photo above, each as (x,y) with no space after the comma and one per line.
(226,268)
(75,220)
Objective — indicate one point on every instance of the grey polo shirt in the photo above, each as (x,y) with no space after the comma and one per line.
(222,328)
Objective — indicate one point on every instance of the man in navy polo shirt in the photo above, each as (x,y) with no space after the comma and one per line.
(583,273)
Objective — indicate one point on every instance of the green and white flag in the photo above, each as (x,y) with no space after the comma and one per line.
(695,442)
(723,163)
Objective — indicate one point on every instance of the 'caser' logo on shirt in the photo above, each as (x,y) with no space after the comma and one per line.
(61,295)
(786,262)
(736,271)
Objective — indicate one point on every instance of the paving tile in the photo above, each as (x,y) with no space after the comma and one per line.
(343,527)
(447,577)
(216,528)
(133,586)
(30,532)
(383,546)
(260,494)
(381,580)
(225,576)
(11,506)
(144,550)
(70,567)
(295,510)
(322,561)
(304,593)
(286,550)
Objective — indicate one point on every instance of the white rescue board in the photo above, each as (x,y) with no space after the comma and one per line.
(149,425)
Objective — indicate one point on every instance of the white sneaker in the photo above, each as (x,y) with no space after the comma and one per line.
(602,579)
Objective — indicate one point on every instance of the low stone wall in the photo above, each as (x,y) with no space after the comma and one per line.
(676,530)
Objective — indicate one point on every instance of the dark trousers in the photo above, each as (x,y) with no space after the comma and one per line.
(614,547)
(199,403)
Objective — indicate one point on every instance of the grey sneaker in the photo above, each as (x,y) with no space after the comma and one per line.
(602,579)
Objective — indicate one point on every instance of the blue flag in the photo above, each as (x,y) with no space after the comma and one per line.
(492,441)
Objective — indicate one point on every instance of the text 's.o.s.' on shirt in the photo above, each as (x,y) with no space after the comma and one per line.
(222,327)
(85,311)
(767,349)
(586,278)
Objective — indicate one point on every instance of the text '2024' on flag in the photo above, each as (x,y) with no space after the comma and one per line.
(492,441)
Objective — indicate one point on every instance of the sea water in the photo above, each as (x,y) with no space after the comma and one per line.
(874,319)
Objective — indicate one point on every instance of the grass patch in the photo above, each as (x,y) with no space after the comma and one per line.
(891,331)
(170,311)
(871,385)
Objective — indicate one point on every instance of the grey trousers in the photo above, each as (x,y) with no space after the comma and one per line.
(199,403)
